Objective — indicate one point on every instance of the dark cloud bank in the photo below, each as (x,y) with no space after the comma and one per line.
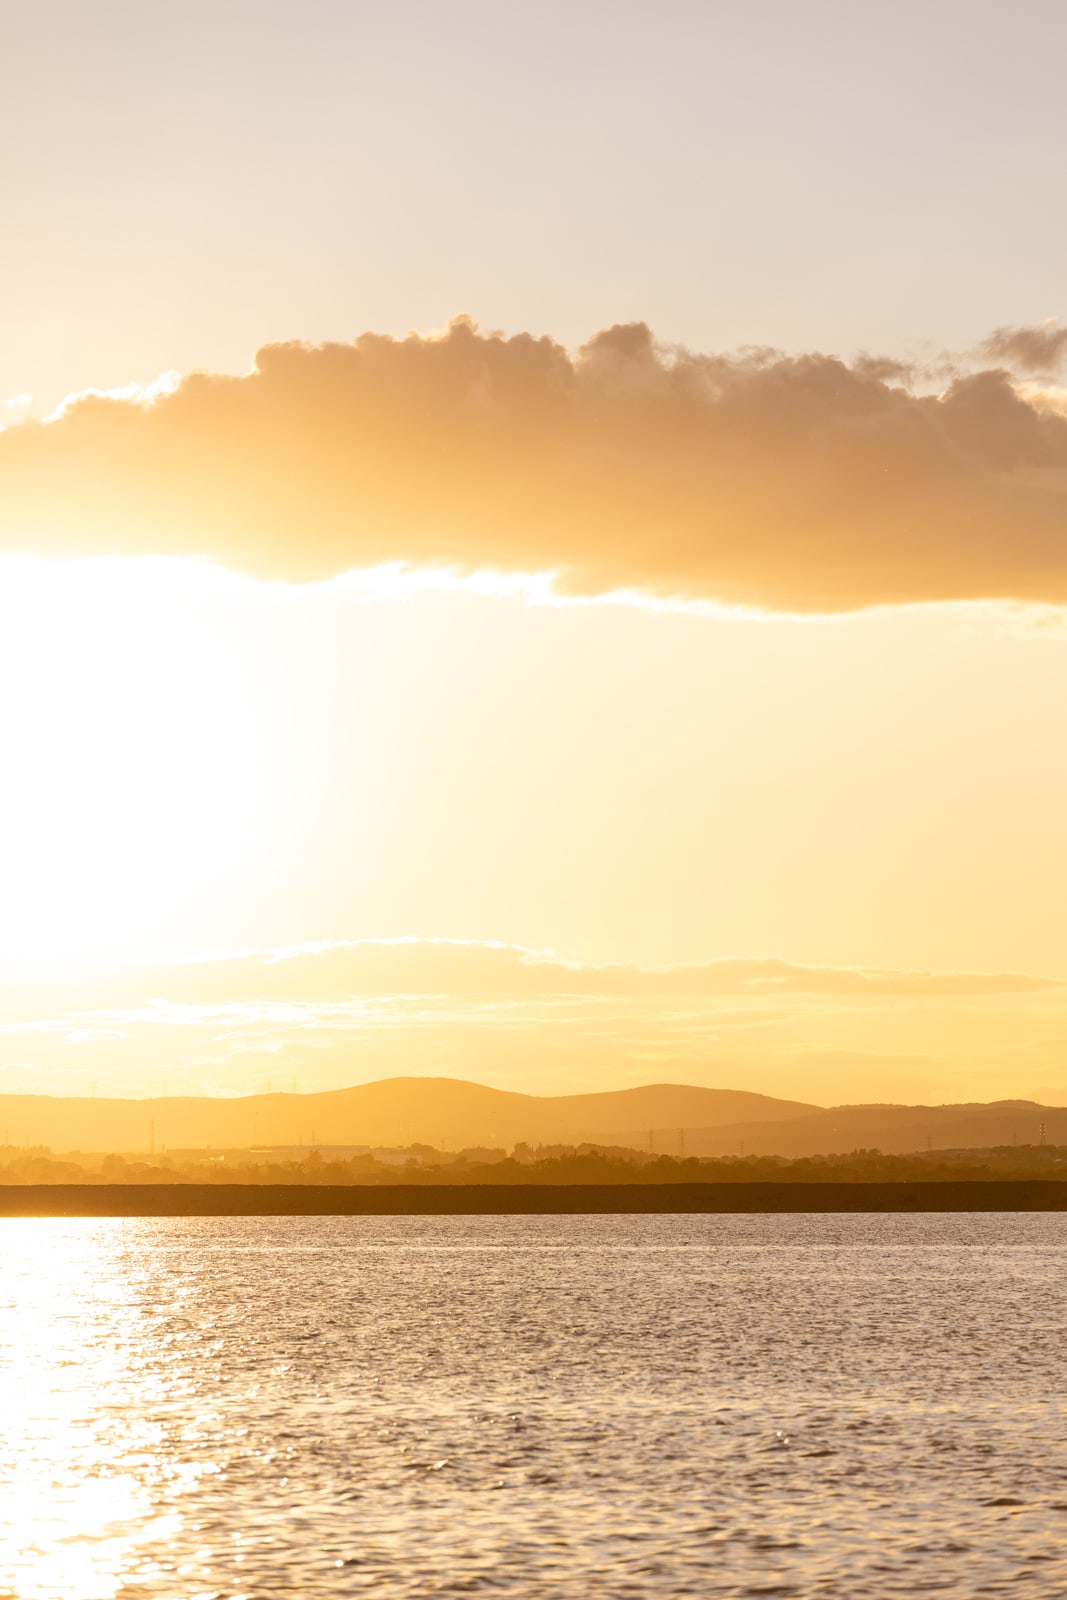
(796,483)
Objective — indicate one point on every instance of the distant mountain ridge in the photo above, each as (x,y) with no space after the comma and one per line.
(895,1130)
(451,1113)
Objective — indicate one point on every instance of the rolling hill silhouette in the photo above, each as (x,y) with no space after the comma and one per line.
(451,1114)
(446,1112)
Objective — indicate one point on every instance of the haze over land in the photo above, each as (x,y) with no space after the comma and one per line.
(449,1115)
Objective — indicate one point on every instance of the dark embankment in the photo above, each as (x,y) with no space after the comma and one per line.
(258,1200)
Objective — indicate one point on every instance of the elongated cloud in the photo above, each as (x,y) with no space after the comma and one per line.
(445,966)
(368,968)
(795,483)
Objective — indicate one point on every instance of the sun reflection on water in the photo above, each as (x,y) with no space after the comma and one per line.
(80,1519)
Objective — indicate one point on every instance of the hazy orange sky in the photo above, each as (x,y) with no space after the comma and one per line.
(687,660)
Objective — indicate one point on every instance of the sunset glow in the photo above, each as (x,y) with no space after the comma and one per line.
(533,667)
(201,763)
(138,780)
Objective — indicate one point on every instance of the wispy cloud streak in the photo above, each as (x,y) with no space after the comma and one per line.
(356,971)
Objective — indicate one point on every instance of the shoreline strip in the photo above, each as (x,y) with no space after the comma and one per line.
(419,1200)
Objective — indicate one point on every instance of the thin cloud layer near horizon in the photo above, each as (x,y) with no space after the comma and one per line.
(667,686)
(357,1011)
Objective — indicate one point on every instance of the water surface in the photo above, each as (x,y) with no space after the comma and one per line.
(533,1406)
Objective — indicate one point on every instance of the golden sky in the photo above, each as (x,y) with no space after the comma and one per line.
(669,686)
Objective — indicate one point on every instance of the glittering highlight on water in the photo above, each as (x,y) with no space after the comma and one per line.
(222,1409)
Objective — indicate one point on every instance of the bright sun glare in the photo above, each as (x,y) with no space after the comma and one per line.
(134,755)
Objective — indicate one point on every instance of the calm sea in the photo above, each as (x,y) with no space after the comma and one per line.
(534,1406)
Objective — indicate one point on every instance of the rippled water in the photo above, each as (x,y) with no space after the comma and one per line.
(536,1406)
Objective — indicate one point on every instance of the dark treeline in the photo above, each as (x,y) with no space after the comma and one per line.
(582,1164)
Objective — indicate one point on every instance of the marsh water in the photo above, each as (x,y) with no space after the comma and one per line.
(533,1406)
